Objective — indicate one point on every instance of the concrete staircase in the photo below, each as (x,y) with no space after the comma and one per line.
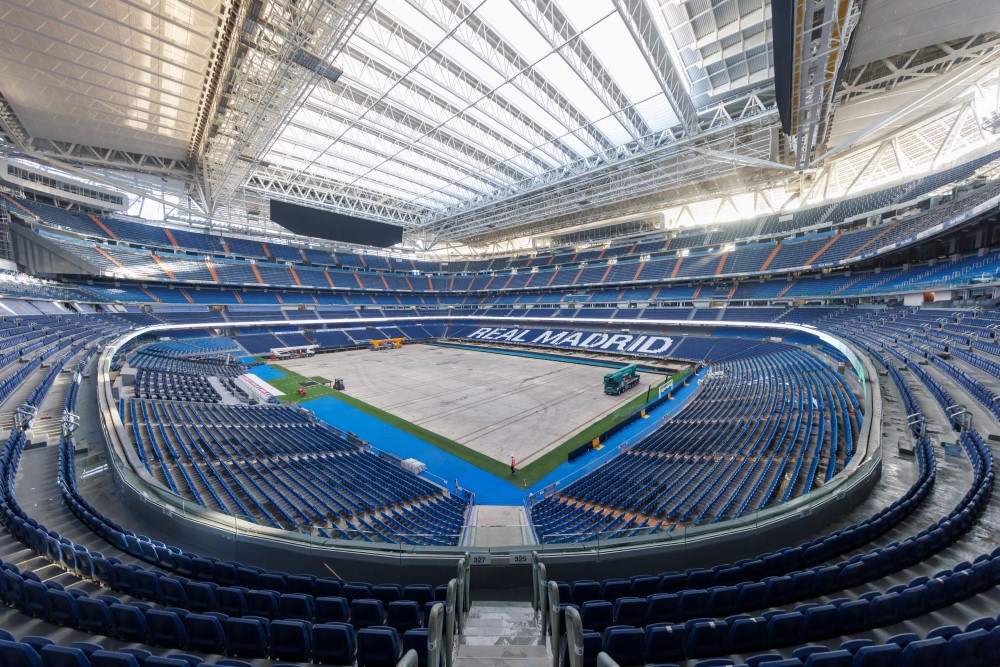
(498,634)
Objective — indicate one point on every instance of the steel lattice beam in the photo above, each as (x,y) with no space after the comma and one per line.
(822,34)
(938,59)
(479,37)
(546,17)
(268,86)
(642,174)
(12,125)
(484,139)
(385,142)
(644,30)
(109,158)
(437,66)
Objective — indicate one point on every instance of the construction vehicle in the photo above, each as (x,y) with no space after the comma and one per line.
(387,344)
(621,380)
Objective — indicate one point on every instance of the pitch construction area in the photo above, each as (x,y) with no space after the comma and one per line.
(498,405)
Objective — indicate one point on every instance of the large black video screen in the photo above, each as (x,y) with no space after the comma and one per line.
(334,226)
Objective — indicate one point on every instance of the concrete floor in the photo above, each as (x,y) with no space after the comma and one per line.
(497,404)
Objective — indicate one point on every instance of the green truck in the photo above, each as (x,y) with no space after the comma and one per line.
(621,380)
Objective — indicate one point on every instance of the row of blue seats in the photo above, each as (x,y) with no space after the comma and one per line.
(37,651)
(354,482)
(214,347)
(769,225)
(722,460)
(174,386)
(690,600)
(778,563)
(176,627)
(975,646)
(187,365)
(172,590)
(843,616)
(205,631)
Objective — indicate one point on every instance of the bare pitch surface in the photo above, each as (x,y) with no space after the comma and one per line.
(497,404)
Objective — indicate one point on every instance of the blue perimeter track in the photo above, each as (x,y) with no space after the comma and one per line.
(267,373)
(489,489)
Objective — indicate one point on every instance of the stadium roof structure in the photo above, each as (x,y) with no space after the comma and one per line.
(475,120)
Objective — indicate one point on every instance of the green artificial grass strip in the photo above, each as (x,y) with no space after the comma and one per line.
(290,385)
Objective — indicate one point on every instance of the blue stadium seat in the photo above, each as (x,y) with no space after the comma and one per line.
(333,644)
(291,640)
(403,615)
(703,638)
(416,640)
(128,623)
(626,645)
(201,596)
(419,593)
(612,589)
(262,603)
(205,633)
(63,656)
(597,615)
(583,590)
(230,601)
(883,655)
(63,609)
(112,659)
(387,593)
(593,643)
(366,612)
(157,661)
(165,628)
(332,610)
(378,646)
(969,648)
(830,659)
(630,611)
(246,638)
(746,635)
(296,606)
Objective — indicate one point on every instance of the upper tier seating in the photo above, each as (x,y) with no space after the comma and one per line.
(793,253)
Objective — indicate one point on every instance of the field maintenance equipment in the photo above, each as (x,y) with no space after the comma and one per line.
(621,380)
(387,344)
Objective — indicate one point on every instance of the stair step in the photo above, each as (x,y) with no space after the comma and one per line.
(493,615)
(501,629)
(502,651)
(502,634)
(492,640)
(503,662)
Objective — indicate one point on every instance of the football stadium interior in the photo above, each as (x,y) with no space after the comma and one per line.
(499,333)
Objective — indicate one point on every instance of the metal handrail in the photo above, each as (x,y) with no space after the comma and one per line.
(435,630)
(409,659)
(536,583)
(449,622)
(605,660)
(468,582)
(554,629)
(574,637)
